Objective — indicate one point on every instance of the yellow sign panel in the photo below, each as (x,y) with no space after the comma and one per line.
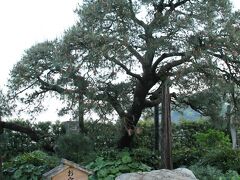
(67,170)
(71,174)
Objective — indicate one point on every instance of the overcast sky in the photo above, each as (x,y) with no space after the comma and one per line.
(26,22)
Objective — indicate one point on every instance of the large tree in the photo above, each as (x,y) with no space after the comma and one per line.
(126,50)
(151,41)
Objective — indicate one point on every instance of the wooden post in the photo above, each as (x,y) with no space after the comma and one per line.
(156,124)
(1,170)
(1,157)
(166,130)
(81,113)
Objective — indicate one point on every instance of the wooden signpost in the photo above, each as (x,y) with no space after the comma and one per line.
(67,170)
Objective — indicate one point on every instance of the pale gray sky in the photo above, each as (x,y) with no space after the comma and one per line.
(26,22)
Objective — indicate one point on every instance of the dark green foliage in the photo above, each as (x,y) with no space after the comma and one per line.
(16,143)
(145,139)
(185,151)
(211,139)
(5,108)
(208,172)
(75,147)
(146,156)
(29,166)
(198,142)
(197,145)
(104,135)
(109,169)
(214,149)
(223,158)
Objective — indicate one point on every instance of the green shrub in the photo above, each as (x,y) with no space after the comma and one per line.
(185,156)
(146,156)
(206,172)
(212,138)
(109,169)
(145,139)
(16,143)
(185,148)
(223,158)
(209,172)
(75,147)
(214,149)
(29,166)
(230,175)
(104,135)
(184,132)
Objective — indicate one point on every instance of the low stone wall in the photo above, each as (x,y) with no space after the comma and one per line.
(162,174)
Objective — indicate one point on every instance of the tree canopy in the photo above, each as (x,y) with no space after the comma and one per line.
(120,53)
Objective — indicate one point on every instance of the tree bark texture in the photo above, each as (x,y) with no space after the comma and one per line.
(1,170)
(131,118)
(166,130)
(81,113)
(26,130)
(1,159)
(157,128)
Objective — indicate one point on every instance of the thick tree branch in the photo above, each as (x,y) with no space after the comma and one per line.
(224,57)
(15,95)
(230,76)
(152,103)
(164,56)
(34,135)
(174,6)
(137,76)
(161,6)
(107,97)
(15,127)
(60,90)
(164,69)
(188,103)
(133,16)
(115,104)
(134,52)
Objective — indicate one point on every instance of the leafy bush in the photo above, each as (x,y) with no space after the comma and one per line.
(104,135)
(185,148)
(184,132)
(146,156)
(210,172)
(29,166)
(145,139)
(109,169)
(212,139)
(75,147)
(206,172)
(223,158)
(16,143)
(214,149)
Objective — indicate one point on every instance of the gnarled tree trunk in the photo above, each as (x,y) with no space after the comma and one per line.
(166,130)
